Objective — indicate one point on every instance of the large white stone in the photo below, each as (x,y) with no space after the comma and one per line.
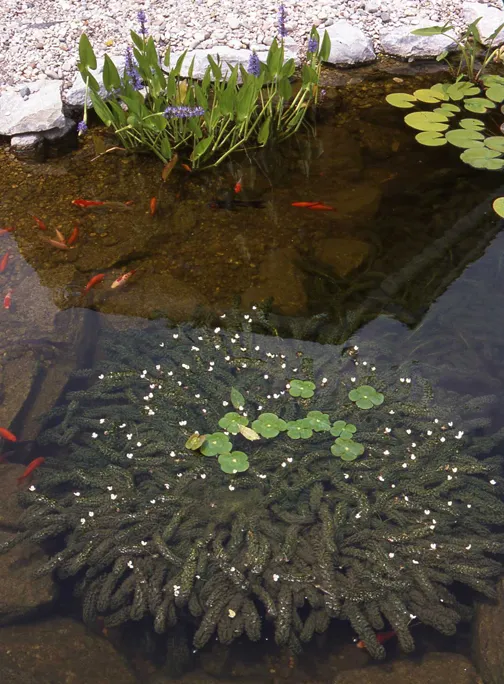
(349,45)
(77,92)
(491,19)
(400,42)
(40,111)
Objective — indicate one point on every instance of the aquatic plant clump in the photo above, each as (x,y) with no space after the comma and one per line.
(153,105)
(164,503)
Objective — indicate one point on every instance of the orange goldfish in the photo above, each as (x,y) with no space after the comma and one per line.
(7,300)
(4,262)
(122,279)
(153,206)
(94,281)
(30,468)
(40,223)
(7,434)
(4,231)
(73,236)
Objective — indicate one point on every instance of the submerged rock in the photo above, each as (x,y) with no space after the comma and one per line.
(349,45)
(435,668)
(488,639)
(40,111)
(360,202)
(60,650)
(344,255)
(281,279)
(28,147)
(400,42)
(491,19)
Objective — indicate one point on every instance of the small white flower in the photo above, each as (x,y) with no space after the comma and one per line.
(401,379)
(83,520)
(182,423)
(433,547)
(391,555)
(450,503)
(413,444)
(493,482)
(259,408)
(353,380)
(373,368)
(151,412)
(129,455)
(175,336)
(139,444)
(162,344)
(468,547)
(381,478)
(436,420)
(186,366)
(130,436)
(364,363)
(143,543)
(217,330)
(172,454)
(450,424)
(122,425)
(427,511)
(231,613)
(167,486)
(289,460)
(31,488)
(346,476)
(223,316)
(266,376)
(406,498)
(459,435)
(450,477)
(276,578)
(113,497)
(263,477)
(454,470)
(404,465)
(358,515)
(158,367)
(408,431)
(231,488)
(153,501)
(284,464)
(413,457)
(100,377)
(391,412)
(415,562)
(94,435)
(386,452)
(408,380)
(76,493)
(429,433)
(203,476)
(356,347)
(91,514)
(130,565)
(469,505)
(442,439)
(388,430)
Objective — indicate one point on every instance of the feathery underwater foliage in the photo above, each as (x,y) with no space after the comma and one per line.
(149,527)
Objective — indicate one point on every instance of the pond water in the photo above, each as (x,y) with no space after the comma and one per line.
(408,267)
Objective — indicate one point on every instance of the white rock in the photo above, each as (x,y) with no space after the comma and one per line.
(349,45)
(28,146)
(77,92)
(491,19)
(400,42)
(39,112)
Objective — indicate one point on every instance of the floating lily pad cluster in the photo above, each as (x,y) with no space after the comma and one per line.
(451,120)
(268,426)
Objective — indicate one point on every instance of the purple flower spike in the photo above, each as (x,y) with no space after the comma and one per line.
(183,112)
(282,16)
(132,71)
(312,45)
(254,65)
(142,18)
(81,127)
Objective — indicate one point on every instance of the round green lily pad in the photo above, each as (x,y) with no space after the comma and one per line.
(478,105)
(495,142)
(430,95)
(235,462)
(365,397)
(269,425)
(483,158)
(318,421)
(216,443)
(347,449)
(498,206)
(431,138)
(232,421)
(462,89)
(472,124)
(301,388)
(299,429)
(427,121)
(495,93)
(401,100)
(463,137)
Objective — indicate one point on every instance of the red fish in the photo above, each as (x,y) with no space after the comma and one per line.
(73,236)
(36,463)
(305,204)
(94,204)
(122,279)
(6,434)
(4,262)
(381,637)
(7,300)
(40,223)
(152,206)
(238,186)
(4,231)
(94,281)
(186,167)
(55,243)
(321,207)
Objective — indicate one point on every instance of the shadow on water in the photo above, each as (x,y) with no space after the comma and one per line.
(408,267)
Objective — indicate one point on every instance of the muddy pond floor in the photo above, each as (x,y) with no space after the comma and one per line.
(408,267)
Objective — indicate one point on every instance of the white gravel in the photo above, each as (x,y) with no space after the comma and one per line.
(38,38)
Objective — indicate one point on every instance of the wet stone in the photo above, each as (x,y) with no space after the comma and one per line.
(28,147)
(344,255)
(21,594)
(435,668)
(60,650)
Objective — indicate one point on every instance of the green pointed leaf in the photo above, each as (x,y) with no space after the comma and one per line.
(263,135)
(427,121)
(498,206)
(86,54)
(111,78)
(201,148)
(137,41)
(325,48)
(462,137)
(431,138)
(237,398)
(401,100)
(432,30)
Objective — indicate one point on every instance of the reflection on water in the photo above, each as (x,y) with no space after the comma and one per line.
(408,268)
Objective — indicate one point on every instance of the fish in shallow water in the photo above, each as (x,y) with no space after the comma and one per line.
(4,262)
(153,206)
(317,206)
(381,638)
(99,204)
(229,201)
(7,300)
(40,223)
(73,236)
(118,282)
(94,281)
(4,231)
(36,463)
(7,434)
(55,243)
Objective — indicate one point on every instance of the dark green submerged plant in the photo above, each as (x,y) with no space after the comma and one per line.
(276,528)
(152,106)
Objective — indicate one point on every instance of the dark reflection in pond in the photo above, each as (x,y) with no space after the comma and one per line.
(408,268)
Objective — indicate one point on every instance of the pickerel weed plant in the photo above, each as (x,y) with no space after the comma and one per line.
(152,106)
(474,91)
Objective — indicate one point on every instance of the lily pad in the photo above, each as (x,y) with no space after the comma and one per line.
(401,100)
(495,142)
(232,422)
(472,124)
(498,206)
(449,107)
(301,388)
(495,93)
(483,158)
(462,137)
(216,443)
(492,79)
(478,105)
(269,425)
(427,121)
(235,462)
(431,138)
(445,112)
(343,429)
(195,441)
(347,449)
(430,95)
(365,397)
(318,421)
(461,90)
(299,429)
